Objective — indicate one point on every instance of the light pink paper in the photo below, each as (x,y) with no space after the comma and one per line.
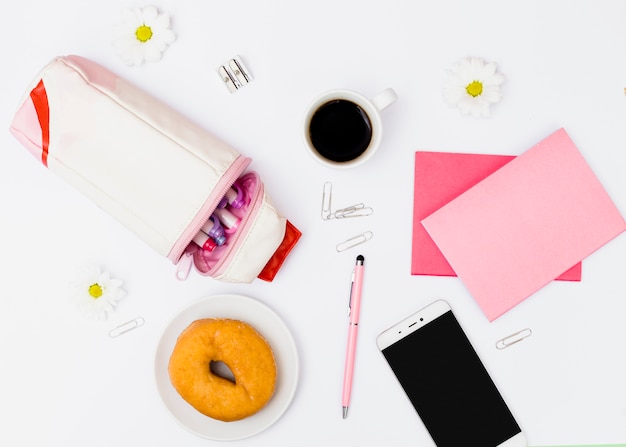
(539,214)
(440,177)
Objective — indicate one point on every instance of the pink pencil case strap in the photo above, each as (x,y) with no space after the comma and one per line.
(154,170)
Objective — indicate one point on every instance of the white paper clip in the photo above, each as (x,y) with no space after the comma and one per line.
(513,338)
(125,327)
(354,241)
(327,196)
(357,210)
(234,74)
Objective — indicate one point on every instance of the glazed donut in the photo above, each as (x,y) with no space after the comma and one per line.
(240,347)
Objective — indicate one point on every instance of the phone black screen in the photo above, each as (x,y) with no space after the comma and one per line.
(449,386)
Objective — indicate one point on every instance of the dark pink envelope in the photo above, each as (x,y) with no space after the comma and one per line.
(439,178)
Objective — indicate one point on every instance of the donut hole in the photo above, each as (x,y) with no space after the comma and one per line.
(222,370)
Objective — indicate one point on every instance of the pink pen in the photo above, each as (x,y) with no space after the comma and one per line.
(204,241)
(353,327)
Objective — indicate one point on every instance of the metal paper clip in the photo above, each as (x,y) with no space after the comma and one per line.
(357,210)
(234,74)
(354,241)
(513,338)
(327,195)
(125,327)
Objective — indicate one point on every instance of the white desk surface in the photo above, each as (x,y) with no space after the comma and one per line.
(65,382)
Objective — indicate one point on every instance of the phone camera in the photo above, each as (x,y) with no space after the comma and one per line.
(421,319)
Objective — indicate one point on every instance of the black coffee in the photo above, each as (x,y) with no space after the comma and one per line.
(340,130)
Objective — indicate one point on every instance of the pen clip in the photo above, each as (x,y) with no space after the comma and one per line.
(350,296)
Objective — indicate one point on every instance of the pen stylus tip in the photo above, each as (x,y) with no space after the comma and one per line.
(360,259)
(345,412)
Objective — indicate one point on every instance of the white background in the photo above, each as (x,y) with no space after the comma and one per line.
(63,381)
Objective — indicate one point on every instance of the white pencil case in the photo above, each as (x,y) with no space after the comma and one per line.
(155,171)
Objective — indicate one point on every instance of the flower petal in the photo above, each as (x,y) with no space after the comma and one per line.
(495,79)
(167,36)
(492,93)
(149,14)
(161,22)
(130,17)
(137,17)
(488,70)
(454,94)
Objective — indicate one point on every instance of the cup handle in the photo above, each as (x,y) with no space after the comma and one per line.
(384,99)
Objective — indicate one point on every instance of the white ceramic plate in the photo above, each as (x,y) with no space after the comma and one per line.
(268,324)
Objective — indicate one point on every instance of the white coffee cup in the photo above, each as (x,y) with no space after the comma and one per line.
(343,129)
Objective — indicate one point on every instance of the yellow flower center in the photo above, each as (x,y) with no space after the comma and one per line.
(95,290)
(143,33)
(474,89)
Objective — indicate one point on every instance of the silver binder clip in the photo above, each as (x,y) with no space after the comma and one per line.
(354,241)
(234,74)
(513,338)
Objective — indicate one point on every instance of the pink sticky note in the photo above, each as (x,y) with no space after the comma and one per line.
(539,214)
(439,178)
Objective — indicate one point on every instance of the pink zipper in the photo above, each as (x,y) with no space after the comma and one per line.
(242,230)
(233,173)
(183,267)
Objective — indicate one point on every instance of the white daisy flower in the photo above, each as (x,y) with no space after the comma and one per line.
(95,293)
(473,85)
(143,34)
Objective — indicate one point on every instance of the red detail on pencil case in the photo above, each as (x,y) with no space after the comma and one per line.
(292,234)
(40,101)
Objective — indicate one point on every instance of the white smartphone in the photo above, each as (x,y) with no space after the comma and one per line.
(446,381)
